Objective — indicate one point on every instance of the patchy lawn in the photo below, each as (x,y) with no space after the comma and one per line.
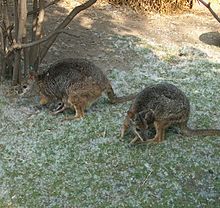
(45,162)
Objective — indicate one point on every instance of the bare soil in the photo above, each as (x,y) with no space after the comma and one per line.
(96,32)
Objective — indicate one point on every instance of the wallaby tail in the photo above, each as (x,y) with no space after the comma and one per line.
(114,99)
(199,132)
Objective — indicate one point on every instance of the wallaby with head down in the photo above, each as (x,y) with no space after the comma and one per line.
(161,106)
(77,83)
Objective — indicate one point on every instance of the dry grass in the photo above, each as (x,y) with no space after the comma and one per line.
(161,6)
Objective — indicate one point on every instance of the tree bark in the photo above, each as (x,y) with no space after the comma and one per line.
(3,34)
(17,61)
(2,42)
(37,33)
(20,10)
(33,35)
(23,34)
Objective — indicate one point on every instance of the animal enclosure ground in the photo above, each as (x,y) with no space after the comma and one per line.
(45,162)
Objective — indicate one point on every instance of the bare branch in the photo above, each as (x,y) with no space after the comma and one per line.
(37,42)
(210,9)
(17,44)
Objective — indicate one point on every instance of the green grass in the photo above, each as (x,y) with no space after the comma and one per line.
(45,162)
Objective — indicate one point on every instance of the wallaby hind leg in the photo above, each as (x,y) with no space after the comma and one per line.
(79,113)
(78,104)
(111,95)
(160,131)
(81,98)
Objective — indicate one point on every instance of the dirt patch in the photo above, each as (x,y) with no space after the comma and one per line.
(101,32)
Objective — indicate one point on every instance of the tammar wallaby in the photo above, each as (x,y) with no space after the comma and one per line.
(77,83)
(160,106)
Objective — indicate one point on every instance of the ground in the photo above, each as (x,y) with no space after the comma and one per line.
(104,26)
(45,162)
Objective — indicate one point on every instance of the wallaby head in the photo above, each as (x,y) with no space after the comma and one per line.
(31,87)
(27,86)
(141,122)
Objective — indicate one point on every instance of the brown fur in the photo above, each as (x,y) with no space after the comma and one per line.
(77,83)
(161,105)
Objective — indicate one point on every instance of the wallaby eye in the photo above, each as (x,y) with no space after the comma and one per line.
(24,86)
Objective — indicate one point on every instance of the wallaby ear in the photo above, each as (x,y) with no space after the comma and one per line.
(130,114)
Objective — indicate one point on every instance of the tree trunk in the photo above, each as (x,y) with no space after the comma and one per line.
(20,10)
(15,47)
(17,61)
(33,49)
(3,34)
(23,18)
(37,33)
(2,41)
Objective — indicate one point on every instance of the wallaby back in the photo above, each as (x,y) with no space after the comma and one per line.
(61,75)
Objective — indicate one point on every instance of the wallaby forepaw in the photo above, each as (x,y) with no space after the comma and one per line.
(133,141)
(53,113)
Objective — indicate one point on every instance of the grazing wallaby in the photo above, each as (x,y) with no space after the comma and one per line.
(77,83)
(161,105)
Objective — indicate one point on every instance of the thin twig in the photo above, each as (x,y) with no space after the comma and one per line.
(44,39)
(146,179)
(207,5)
(105,131)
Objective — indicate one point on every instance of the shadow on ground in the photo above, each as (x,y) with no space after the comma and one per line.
(95,36)
(211,38)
